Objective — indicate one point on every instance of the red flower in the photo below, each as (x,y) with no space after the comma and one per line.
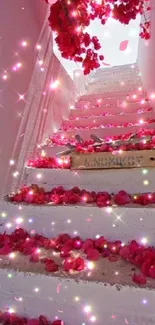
(5,250)
(43,320)
(122,198)
(152,271)
(79,264)
(93,254)
(33,322)
(139,279)
(57,322)
(51,266)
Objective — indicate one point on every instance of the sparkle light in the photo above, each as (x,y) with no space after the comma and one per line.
(144,241)
(93,319)
(12,255)
(146,182)
(3,214)
(90,265)
(12,162)
(87,309)
(19,220)
(144,171)
(39,176)
(77,298)
(36,289)
(24,44)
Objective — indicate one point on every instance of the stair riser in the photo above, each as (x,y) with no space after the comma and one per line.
(114,109)
(103,120)
(109,100)
(106,132)
(85,221)
(108,180)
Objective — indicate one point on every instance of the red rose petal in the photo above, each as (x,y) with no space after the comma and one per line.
(139,278)
(152,271)
(93,254)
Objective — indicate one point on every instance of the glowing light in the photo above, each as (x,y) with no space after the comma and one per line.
(55,84)
(8,225)
(84,198)
(68,221)
(97,236)
(146,182)
(3,214)
(12,255)
(21,97)
(87,309)
(144,301)
(109,210)
(116,273)
(43,153)
(144,171)
(11,310)
(11,162)
(93,319)
(144,241)
(90,265)
(30,220)
(114,225)
(142,101)
(141,121)
(152,96)
(24,44)
(40,62)
(38,47)
(36,289)
(19,221)
(134,96)
(39,176)
(77,298)
(9,275)
(140,89)
(5,77)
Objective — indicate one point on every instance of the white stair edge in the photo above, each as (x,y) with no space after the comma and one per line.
(122,223)
(111,180)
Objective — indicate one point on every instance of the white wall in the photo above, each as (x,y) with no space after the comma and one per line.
(146,56)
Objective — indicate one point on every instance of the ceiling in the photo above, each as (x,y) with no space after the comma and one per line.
(111,36)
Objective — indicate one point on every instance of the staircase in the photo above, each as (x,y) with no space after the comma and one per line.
(115,104)
(104,293)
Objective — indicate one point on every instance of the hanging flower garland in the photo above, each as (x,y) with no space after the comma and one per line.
(69,18)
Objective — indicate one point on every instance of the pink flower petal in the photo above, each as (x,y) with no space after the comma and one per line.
(123,45)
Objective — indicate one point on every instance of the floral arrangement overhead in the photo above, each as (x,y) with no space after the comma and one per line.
(69,19)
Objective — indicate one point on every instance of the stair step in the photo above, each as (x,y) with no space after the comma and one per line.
(115,223)
(105,132)
(110,180)
(113,109)
(113,119)
(108,295)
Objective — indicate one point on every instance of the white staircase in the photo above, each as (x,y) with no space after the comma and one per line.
(104,293)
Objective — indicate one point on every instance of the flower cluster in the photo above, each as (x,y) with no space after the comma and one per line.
(59,140)
(92,250)
(70,18)
(58,196)
(103,126)
(49,162)
(12,319)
